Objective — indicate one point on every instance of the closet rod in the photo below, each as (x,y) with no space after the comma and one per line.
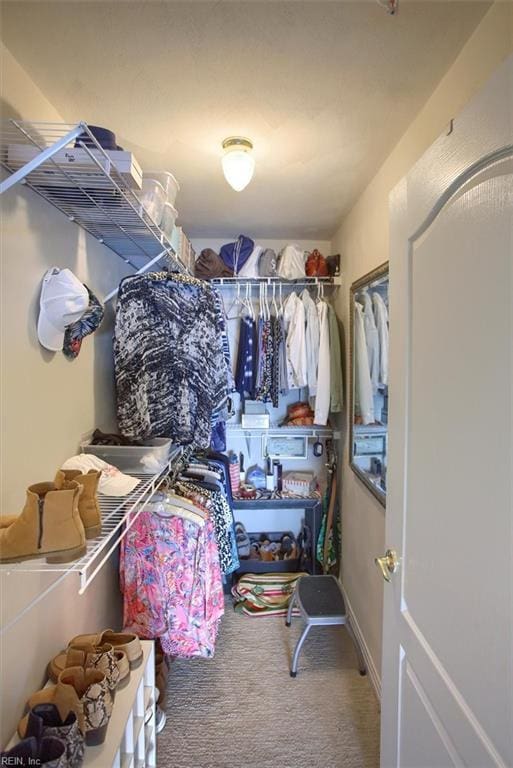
(336,282)
(140,271)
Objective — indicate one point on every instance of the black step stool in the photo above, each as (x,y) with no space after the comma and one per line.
(321,604)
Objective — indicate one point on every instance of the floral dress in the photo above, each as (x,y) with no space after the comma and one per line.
(172,585)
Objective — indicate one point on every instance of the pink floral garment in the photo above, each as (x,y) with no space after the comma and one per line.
(172,584)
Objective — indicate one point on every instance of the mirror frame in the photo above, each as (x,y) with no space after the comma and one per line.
(370,277)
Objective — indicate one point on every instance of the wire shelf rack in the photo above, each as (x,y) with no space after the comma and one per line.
(86,186)
(336,281)
(118,516)
(312,431)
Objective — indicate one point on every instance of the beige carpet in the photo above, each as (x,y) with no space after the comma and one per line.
(242,708)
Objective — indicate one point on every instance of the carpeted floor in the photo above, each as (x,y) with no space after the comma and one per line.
(242,708)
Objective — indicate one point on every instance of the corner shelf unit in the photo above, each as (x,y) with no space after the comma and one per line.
(89,190)
(118,516)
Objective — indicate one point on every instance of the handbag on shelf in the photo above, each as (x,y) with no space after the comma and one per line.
(316,265)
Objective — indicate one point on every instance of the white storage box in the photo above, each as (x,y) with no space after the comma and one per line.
(153,198)
(168,181)
(169,217)
(150,458)
(255,420)
(124,162)
(299,483)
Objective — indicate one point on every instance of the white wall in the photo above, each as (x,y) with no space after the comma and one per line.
(47,403)
(363,242)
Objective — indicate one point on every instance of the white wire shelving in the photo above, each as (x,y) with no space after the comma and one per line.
(87,187)
(313,431)
(118,516)
(334,282)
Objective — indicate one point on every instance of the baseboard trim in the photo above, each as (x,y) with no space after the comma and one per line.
(371,667)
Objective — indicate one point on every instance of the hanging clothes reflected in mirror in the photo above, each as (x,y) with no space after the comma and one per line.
(369,380)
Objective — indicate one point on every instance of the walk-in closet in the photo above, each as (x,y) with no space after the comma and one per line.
(256,384)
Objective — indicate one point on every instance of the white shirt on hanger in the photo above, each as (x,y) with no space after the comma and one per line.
(363,385)
(312,341)
(372,339)
(322,399)
(381,316)
(294,319)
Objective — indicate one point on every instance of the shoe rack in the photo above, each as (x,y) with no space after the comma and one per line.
(131,740)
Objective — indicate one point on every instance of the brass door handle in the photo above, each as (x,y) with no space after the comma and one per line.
(388,564)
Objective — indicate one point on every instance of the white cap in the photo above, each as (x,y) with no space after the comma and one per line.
(113,482)
(63,301)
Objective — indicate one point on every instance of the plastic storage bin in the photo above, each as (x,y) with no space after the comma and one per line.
(168,220)
(153,198)
(168,181)
(150,458)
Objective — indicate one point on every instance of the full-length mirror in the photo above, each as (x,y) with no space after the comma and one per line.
(369,380)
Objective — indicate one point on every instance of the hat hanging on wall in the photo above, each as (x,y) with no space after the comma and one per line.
(88,323)
(62,302)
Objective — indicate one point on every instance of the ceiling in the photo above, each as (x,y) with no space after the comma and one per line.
(323,89)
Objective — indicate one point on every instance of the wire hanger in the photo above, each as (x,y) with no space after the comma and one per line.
(237,302)
(274,305)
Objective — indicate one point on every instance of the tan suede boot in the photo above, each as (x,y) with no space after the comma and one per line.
(82,691)
(88,502)
(49,526)
(102,657)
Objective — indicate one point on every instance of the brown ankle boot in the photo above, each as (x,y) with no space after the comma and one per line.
(49,526)
(82,691)
(88,502)
(100,657)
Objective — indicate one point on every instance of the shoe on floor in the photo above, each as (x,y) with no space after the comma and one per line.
(44,721)
(161,718)
(102,657)
(82,691)
(243,542)
(88,507)
(48,526)
(122,641)
(49,752)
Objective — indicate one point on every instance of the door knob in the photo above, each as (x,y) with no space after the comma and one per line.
(387,564)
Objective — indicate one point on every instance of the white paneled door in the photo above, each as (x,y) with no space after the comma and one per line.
(448,645)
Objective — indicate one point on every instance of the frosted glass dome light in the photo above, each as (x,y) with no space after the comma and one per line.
(238,162)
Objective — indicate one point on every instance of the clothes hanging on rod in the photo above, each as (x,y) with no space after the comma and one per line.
(170,366)
(294,320)
(174,555)
(336,381)
(364,402)
(372,340)
(323,397)
(171,582)
(312,339)
(381,317)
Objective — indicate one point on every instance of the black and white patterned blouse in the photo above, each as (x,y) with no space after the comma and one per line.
(169,361)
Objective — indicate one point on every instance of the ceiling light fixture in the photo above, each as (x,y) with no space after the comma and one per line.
(238,162)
